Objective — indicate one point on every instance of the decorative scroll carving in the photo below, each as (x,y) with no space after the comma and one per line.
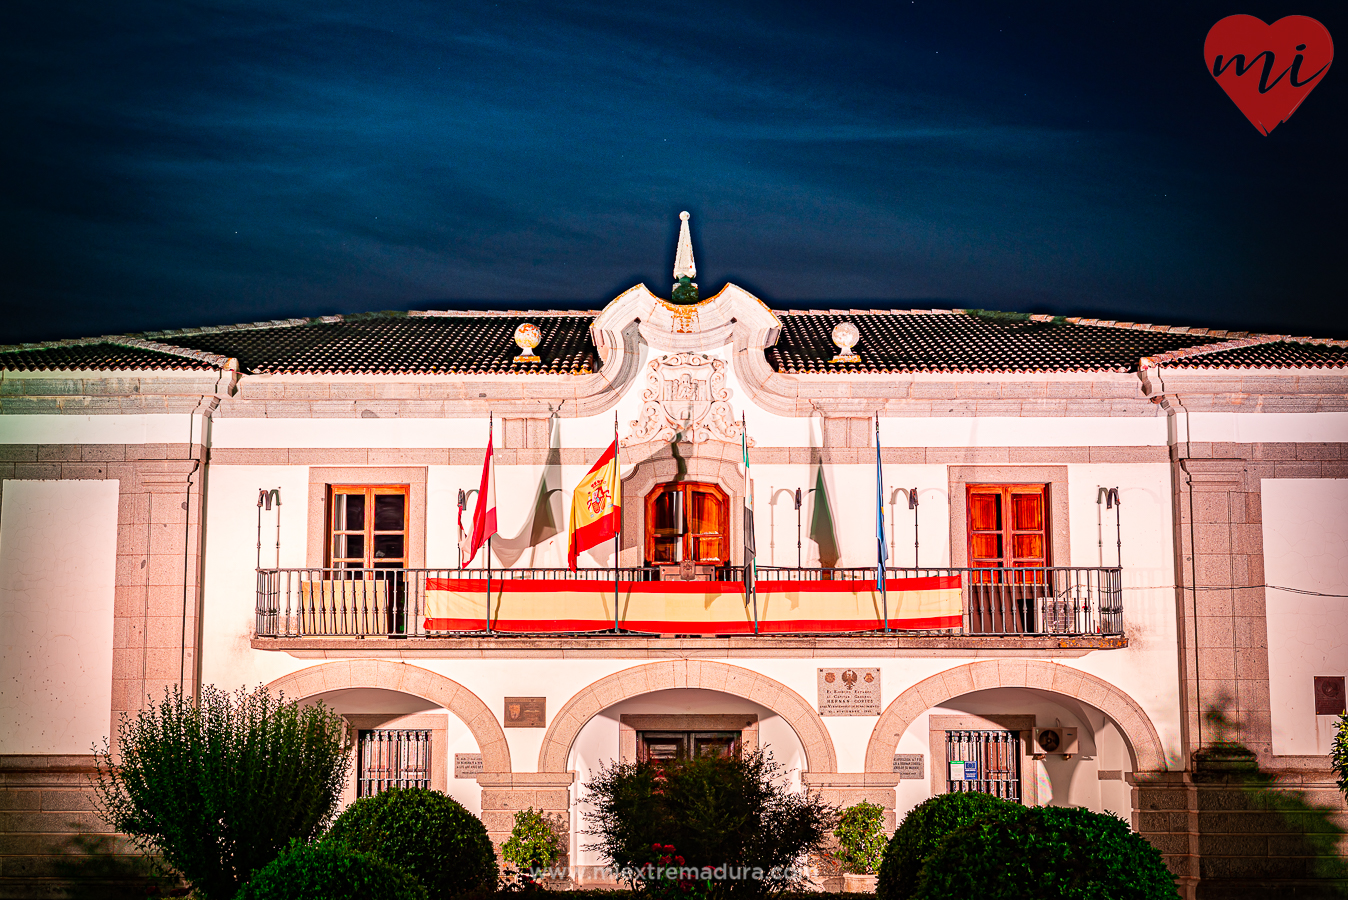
(685,399)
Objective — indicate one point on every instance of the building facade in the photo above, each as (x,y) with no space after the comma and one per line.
(1100,529)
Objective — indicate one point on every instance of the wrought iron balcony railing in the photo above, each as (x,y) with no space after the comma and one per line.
(410,603)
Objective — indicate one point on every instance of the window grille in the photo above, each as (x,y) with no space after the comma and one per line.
(393,758)
(988,762)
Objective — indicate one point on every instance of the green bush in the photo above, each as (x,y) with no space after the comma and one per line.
(1338,754)
(861,838)
(719,813)
(220,784)
(1046,853)
(534,842)
(922,830)
(332,872)
(427,833)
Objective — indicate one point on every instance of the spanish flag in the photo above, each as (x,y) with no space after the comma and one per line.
(596,506)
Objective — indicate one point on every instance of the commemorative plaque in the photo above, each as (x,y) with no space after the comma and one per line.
(467,765)
(525,712)
(849,692)
(1329,700)
(909,766)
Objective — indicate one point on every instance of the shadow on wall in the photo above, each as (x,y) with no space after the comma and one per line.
(103,867)
(1259,836)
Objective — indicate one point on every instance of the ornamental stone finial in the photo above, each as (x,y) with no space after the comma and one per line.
(846,335)
(684,267)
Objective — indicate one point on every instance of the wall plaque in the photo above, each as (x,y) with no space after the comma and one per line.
(909,766)
(467,765)
(849,692)
(525,712)
(1329,700)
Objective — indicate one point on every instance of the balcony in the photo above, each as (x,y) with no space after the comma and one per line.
(1058,608)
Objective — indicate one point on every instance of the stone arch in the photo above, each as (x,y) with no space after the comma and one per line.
(688,673)
(419,682)
(1144,744)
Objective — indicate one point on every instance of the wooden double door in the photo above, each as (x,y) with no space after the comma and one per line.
(1008,550)
(687,521)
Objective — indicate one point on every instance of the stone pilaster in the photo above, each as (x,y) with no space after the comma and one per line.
(506,793)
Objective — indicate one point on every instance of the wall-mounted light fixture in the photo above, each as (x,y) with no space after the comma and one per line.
(265,498)
(1109,499)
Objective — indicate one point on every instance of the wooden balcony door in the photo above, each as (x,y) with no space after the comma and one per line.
(687,521)
(367,530)
(1007,530)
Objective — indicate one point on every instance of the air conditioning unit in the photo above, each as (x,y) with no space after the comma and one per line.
(1055,740)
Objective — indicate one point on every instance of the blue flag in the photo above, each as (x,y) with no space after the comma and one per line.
(882,551)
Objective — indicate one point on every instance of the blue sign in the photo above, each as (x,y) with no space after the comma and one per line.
(971,771)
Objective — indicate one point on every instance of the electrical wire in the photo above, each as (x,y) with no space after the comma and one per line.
(1237,587)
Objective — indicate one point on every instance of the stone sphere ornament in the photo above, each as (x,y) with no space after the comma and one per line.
(527,337)
(845,335)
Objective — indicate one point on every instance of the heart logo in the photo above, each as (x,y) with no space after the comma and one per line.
(1268,70)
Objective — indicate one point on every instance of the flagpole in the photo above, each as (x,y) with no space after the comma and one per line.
(490,425)
(750,562)
(617,532)
(880,527)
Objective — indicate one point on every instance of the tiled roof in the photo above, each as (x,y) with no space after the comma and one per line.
(100,354)
(462,343)
(401,344)
(1263,352)
(960,341)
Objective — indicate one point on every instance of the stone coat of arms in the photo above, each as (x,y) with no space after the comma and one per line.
(685,399)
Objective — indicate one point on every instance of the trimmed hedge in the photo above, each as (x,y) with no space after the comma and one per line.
(333,872)
(427,833)
(1046,853)
(922,831)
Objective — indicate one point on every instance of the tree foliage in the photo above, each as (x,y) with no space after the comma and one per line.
(721,813)
(427,833)
(534,841)
(861,838)
(1046,853)
(218,785)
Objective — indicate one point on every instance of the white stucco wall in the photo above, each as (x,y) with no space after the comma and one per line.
(1305,529)
(58,556)
(1057,781)
(130,428)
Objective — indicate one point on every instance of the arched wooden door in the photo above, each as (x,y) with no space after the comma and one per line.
(687,521)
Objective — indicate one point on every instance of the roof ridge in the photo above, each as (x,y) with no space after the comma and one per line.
(499,313)
(1251,341)
(123,340)
(58,344)
(217,329)
(215,359)
(1033,317)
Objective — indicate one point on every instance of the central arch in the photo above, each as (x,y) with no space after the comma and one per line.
(443,692)
(688,673)
(1143,741)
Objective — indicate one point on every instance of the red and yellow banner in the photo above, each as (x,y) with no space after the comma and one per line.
(596,506)
(691,607)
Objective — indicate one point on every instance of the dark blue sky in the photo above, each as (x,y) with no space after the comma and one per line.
(181,164)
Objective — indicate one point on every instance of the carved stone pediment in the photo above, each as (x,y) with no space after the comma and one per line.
(685,399)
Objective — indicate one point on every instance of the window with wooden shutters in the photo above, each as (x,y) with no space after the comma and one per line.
(1007,531)
(367,530)
(687,521)
(1008,525)
(367,527)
